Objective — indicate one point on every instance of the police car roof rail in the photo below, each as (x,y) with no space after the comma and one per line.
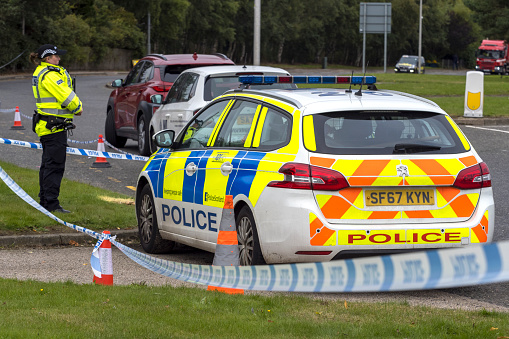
(157,56)
(408,95)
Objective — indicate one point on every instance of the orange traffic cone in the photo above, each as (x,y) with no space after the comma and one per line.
(100,162)
(106,263)
(227,246)
(17,120)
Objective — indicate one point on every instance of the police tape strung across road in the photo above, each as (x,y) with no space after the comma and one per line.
(13,110)
(82,142)
(476,264)
(76,151)
(116,149)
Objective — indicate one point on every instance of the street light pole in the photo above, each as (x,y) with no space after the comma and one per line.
(149,47)
(256,33)
(420,36)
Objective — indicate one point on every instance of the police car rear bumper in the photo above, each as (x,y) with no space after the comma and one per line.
(287,233)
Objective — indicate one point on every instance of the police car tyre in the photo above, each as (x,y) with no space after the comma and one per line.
(110,133)
(247,235)
(148,230)
(143,136)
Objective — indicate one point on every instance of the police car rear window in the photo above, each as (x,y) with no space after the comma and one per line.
(385,133)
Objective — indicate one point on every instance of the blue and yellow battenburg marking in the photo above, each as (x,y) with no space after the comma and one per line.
(251,172)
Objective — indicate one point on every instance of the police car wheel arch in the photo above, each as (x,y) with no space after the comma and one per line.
(148,230)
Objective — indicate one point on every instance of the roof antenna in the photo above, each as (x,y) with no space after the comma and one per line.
(349,90)
(359,92)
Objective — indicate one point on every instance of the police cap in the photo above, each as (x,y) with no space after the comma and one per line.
(48,49)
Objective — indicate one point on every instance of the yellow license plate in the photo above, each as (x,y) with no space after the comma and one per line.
(400,197)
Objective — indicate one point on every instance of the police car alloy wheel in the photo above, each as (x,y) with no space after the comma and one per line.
(249,245)
(150,238)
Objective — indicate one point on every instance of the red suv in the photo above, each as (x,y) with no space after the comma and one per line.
(129,107)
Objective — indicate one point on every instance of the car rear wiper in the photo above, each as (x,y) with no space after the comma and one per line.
(414,148)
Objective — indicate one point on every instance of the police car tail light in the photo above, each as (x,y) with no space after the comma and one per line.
(308,177)
(477,176)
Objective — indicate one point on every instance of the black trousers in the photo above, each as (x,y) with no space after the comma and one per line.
(52,169)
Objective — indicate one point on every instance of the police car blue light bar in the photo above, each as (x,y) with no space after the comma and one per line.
(302,79)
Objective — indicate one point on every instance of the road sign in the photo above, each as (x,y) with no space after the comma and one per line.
(375,17)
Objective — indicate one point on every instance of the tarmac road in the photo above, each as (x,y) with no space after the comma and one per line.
(71,263)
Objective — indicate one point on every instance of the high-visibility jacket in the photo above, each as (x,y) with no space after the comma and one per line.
(54,95)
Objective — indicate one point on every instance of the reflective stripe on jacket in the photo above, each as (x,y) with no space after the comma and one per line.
(52,87)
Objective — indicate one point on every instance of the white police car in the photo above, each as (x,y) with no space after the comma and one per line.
(316,174)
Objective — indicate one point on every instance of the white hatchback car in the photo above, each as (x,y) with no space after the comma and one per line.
(316,173)
(196,87)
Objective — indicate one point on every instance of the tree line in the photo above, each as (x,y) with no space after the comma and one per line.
(292,31)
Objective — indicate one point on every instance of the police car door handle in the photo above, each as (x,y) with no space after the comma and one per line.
(191,168)
(226,168)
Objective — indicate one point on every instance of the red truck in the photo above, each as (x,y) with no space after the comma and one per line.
(492,57)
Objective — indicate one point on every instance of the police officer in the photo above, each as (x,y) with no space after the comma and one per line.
(57,104)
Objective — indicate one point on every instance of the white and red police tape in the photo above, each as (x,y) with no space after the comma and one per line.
(76,151)
(473,265)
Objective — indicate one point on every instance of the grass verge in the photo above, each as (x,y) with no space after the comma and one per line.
(94,208)
(65,309)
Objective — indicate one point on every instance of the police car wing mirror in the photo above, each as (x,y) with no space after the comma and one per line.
(164,138)
(156,99)
(116,83)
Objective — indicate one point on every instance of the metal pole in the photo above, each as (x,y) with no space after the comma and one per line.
(256,33)
(420,36)
(364,41)
(148,32)
(385,40)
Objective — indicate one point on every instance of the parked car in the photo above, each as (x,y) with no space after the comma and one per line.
(196,87)
(316,174)
(129,108)
(409,64)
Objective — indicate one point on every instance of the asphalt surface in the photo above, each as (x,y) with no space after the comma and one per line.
(65,256)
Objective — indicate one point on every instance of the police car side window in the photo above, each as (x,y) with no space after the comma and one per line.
(198,132)
(237,125)
(276,130)
(132,77)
